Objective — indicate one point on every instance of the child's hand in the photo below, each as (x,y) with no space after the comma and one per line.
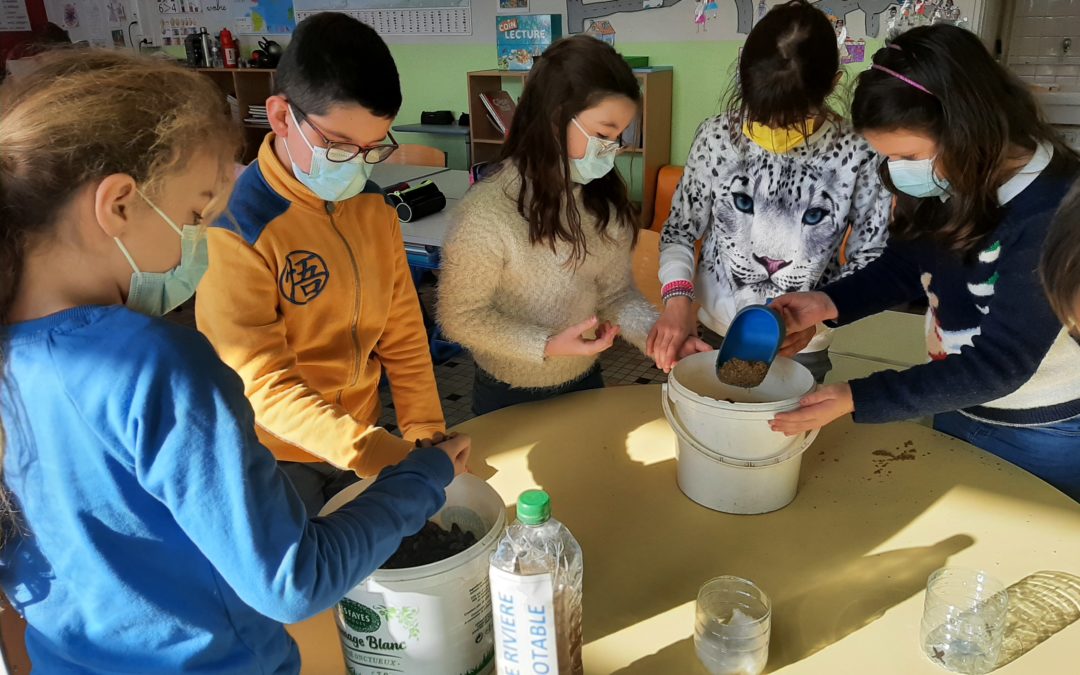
(693,345)
(802,312)
(669,335)
(437,438)
(817,409)
(572,341)
(457,448)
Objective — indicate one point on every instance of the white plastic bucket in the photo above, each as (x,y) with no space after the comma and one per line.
(434,619)
(733,421)
(734,485)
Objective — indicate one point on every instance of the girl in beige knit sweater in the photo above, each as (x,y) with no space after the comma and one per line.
(536,278)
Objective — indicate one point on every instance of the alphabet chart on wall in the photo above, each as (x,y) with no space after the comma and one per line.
(395,17)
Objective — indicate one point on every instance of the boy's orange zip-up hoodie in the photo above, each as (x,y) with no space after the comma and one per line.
(308,301)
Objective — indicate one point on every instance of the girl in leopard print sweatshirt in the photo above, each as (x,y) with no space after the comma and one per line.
(772,189)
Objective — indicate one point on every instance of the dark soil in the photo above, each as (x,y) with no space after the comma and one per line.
(430,545)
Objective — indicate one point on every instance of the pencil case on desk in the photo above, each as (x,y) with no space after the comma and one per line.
(418,201)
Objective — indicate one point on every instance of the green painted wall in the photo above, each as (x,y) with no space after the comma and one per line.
(433,78)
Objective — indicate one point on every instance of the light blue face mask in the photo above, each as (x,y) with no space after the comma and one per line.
(158,293)
(330,181)
(916,177)
(598,161)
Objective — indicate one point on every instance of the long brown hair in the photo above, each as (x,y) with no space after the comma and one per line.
(79,117)
(976,111)
(1060,264)
(573,75)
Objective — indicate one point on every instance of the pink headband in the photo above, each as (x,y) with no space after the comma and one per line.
(903,78)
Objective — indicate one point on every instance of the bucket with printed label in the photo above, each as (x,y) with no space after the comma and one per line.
(433,619)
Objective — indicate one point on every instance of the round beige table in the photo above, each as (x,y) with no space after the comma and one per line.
(845,564)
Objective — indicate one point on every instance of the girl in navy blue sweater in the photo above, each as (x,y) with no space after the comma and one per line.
(978,175)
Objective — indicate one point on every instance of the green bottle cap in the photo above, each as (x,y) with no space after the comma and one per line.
(534,507)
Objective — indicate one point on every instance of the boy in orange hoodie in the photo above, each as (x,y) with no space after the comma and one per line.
(310,298)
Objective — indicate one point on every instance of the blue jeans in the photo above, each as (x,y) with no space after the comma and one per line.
(490,394)
(1052,452)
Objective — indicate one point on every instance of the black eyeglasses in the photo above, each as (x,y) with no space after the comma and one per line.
(339,152)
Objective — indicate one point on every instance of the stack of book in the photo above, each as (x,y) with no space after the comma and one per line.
(257,116)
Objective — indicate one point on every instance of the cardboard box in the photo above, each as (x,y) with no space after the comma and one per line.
(520,39)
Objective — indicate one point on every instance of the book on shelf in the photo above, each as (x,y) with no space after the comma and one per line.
(500,107)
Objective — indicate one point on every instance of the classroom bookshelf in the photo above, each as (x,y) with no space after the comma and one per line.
(249,86)
(653,153)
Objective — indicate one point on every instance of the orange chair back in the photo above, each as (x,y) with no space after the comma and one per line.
(666,182)
(418,155)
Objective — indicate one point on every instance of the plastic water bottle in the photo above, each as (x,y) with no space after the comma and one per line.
(215,56)
(536,574)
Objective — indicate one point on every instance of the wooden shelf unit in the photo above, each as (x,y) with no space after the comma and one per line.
(656,89)
(250,86)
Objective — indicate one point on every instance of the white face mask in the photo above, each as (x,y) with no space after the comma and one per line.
(330,181)
(916,177)
(158,293)
(598,161)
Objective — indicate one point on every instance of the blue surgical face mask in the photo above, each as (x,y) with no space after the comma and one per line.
(916,177)
(330,181)
(158,293)
(598,161)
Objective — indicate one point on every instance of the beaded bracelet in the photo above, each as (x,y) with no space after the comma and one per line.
(678,294)
(676,289)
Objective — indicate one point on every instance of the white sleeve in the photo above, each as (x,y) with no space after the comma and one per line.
(691,206)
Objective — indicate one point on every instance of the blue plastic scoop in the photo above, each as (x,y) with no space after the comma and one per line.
(755,334)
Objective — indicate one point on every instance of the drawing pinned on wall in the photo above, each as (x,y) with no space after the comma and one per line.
(853,51)
(748,12)
(699,16)
(117,11)
(923,13)
(871,9)
(118,39)
(94,21)
(71,16)
(602,30)
(579,12)
(516,5)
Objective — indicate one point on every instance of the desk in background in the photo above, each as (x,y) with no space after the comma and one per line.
(441,130)
(431,230)
(387,175)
